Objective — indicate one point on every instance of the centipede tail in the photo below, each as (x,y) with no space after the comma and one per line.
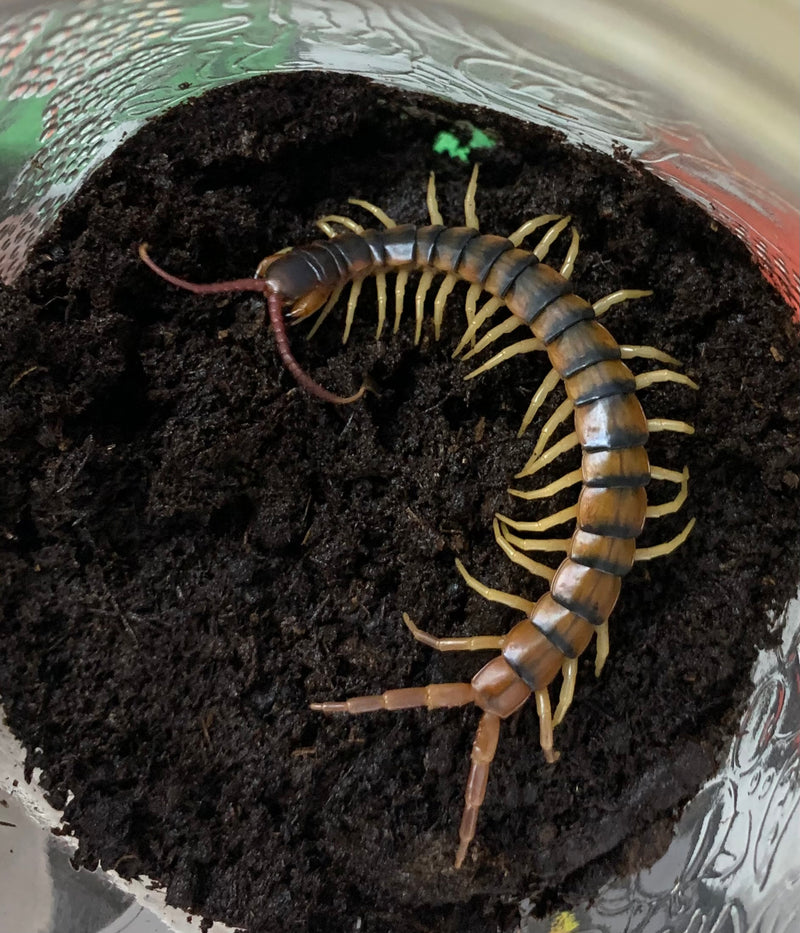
(610,427)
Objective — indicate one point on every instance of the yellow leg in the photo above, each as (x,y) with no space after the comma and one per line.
(530,225)
(376,212)
(419,300)
(474,643)
(572,254)
(511,323)
(448,284)
(629,352)
(602,649)
(326,310)
(433,204)
(324,224)
(667,508)
(550,381)
(490,307)
(352,301)
(554,422)
(471,302)
(569,674)
(399,296)
(543,246)
(601,306)
(470,214)
(532,566)
(667,424)
(663,375)
(380,285)
(536,544)
(495,596)
(553,453)
(557,518)
(544,492)
(522,346)
(667,547)
(545,725)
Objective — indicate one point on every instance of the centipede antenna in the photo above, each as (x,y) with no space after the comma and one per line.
(234,285)
(275,308)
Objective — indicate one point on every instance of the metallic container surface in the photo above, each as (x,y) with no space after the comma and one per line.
(703,94)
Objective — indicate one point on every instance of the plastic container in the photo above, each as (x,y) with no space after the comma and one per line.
(702,94)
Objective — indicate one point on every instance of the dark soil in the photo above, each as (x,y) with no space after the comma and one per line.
(193,549)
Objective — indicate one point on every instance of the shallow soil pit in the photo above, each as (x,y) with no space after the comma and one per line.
(194,549)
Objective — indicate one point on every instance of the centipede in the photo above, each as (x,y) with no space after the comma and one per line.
(610,429)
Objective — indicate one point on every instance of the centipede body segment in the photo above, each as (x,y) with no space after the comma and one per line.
(610,427)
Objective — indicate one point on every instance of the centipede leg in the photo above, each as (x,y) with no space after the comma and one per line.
(495,596)
(569,674)
(512,322)
(470,214)
(535,464)
(532,566)
(667,508)
(542,248)
(483,752)
(572,254)
(545,492)
(545,725)
(550,381)
(624,294)
(433,696)
(555,420)
(602,648)
(667,547)
(490,307)
(467,643)
(522,346)
(536,544)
